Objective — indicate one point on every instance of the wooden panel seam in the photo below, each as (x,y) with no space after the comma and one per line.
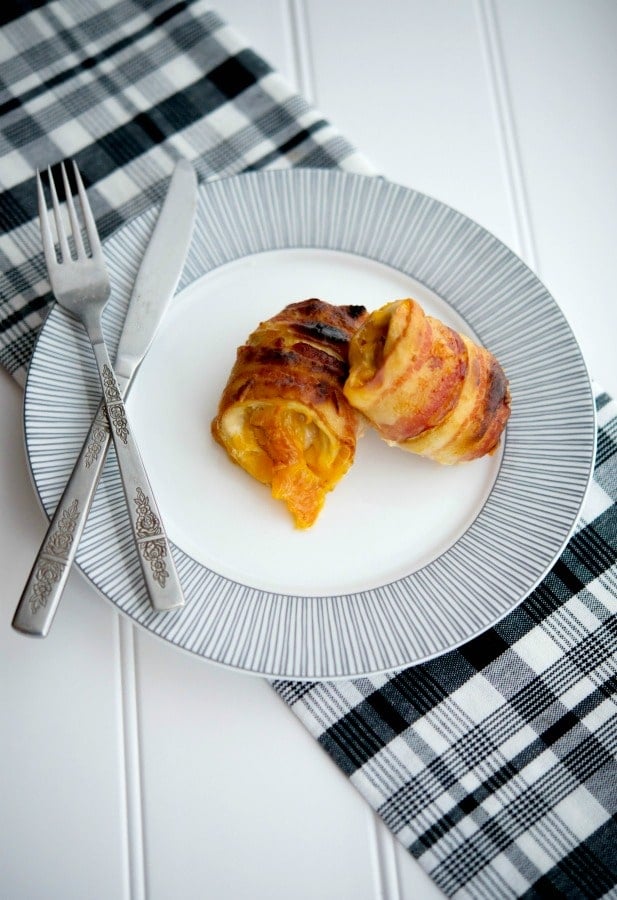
(385,868)
(506,131)
(135,845)
(297,27)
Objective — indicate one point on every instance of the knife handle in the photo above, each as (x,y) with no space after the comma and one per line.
(153,546)
(40,598)
(41,595)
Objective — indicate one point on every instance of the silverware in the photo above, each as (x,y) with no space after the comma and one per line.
(154,286)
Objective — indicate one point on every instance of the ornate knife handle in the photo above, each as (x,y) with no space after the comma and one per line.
(153,546)
(40,598)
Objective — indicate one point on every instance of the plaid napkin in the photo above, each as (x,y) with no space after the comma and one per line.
(495,763)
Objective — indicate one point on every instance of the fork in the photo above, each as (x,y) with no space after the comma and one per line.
(80,284)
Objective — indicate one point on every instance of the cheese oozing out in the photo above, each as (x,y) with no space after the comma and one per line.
(283,416)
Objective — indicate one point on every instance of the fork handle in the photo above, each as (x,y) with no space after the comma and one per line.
(41,595)
(153,547)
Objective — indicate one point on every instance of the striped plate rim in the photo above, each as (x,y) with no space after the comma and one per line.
(521,529)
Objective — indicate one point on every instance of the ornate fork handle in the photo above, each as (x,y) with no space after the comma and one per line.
(80,282)
(41,595)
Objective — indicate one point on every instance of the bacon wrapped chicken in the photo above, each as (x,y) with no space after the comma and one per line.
(283,416)
(425,387)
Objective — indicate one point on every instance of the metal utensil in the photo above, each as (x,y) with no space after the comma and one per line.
(154,286)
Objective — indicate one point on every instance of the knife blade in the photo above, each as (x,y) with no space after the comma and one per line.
(154,286)
(159,271)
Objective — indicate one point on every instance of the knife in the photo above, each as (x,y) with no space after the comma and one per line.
(154,287)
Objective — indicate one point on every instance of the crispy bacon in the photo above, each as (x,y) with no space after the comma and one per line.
(283,416)
(425,387)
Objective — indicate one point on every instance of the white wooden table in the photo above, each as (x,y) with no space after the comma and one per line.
(131,770)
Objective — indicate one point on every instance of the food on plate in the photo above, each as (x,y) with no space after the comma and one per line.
(425,387)
(306,380)
(283,416)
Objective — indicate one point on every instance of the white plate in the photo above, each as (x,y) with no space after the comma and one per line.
(408,558)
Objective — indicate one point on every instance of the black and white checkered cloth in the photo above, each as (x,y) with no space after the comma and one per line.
(126,88)
(495,764)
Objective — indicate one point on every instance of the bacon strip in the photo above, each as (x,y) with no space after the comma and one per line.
(283,416)
(425,387)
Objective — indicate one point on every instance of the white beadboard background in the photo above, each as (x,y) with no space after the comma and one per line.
(131,770)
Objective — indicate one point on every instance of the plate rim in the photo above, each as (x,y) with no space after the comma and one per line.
(292,175)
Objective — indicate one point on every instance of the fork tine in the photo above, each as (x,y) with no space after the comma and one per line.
(91,229)
(48,242)
(75,226)
(65,251)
